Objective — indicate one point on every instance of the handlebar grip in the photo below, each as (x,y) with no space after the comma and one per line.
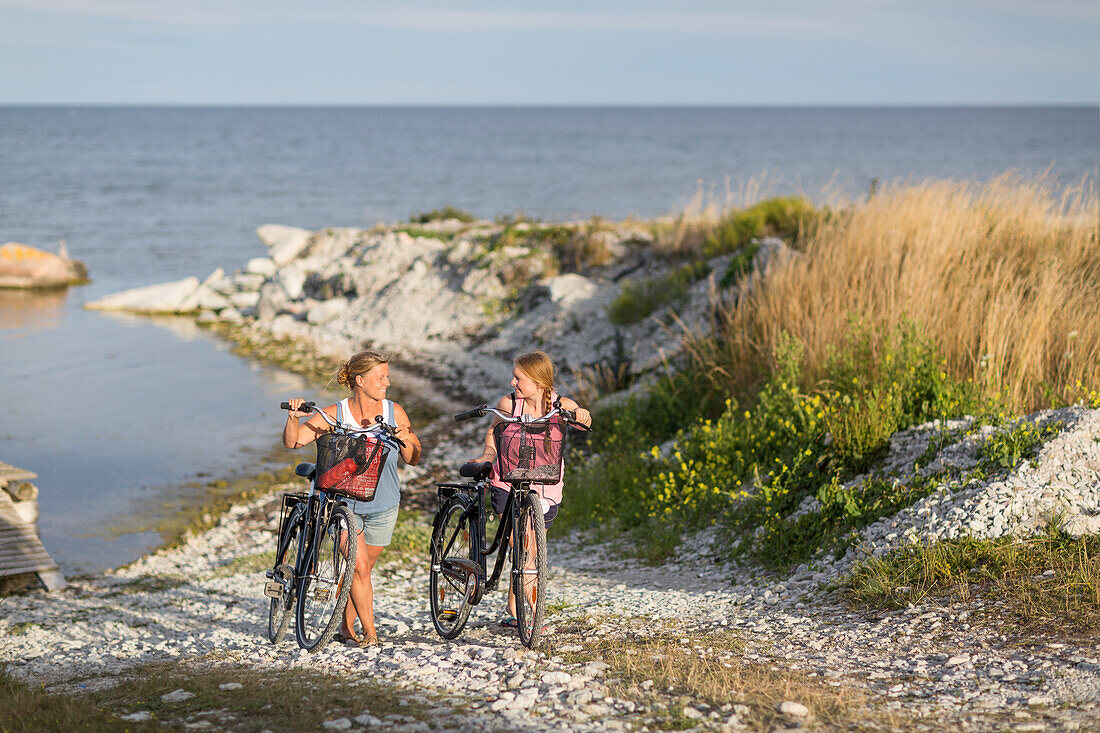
(306,406)
(471,414)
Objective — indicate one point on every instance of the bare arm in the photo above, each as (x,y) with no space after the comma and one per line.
(489,447)
(583,416)
(411,452)
(296,433)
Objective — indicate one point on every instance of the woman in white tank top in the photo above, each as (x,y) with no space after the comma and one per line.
(367,375)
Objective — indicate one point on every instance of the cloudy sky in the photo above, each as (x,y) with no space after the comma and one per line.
(736,52)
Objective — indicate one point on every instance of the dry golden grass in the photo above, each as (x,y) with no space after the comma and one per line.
(1004,277)
(667,670)
(1048,585)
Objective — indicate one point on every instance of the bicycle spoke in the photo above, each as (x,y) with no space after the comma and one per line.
(324,591)
(530,571)
(452,582)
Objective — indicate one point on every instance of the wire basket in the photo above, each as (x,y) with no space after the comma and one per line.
(530,452)
(349,465)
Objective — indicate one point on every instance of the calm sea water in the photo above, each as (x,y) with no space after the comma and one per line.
(117,414)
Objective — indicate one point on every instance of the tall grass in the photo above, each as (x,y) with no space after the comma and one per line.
(924,302)
(1003,278)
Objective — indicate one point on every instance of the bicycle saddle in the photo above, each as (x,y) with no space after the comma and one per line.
(474,470)
(304,469)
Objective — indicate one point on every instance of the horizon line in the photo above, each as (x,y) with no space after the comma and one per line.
(554,105)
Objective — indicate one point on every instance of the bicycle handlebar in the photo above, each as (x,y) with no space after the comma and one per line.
(471,414)
(479,411)
(389,430)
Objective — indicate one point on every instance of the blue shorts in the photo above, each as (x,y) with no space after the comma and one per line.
(376,527)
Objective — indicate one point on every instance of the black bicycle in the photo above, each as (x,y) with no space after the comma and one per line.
(529,452)
(316,548)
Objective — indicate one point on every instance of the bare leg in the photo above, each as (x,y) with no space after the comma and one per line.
(529,545)
(362,590)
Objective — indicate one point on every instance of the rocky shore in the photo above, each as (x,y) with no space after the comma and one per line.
(457,301)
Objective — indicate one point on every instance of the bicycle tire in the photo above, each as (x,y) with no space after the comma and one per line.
(449,592)
(280,610)
(323,590)
(529,571)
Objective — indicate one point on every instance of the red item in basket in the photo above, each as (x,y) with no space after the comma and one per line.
(337,473)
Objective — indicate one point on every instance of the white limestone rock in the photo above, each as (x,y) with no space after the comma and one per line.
(285,243)
(163,298)
(264,266)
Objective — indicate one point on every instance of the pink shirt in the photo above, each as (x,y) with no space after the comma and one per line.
(550,492)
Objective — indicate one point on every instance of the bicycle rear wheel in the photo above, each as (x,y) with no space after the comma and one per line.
(452,585)
(529,571)
(280,610)
(323,590)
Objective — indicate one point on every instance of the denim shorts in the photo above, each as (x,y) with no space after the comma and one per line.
(500,499)
(377,527)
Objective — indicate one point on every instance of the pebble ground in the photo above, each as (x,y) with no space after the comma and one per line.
(926,664)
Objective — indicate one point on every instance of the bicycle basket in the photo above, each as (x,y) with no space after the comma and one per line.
(530,452)
(349,465)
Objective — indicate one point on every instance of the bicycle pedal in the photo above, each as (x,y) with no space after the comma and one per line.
(274,589)
(321,594)
(447,614)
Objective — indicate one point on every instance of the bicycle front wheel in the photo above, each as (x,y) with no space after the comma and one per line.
(452,585)
(529,571)
(323,590)
(281,609)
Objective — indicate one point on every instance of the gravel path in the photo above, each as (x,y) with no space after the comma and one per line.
(928,665)
(925,661)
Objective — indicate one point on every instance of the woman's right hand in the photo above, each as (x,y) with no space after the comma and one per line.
(294,411)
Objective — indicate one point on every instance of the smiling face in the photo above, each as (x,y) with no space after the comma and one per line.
(525,387)
(375,382)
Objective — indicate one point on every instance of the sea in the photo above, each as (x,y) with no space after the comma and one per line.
(124,419)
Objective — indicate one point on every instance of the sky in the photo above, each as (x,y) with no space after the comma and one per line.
(565,52)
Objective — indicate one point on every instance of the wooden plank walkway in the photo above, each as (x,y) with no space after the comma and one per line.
(21,551)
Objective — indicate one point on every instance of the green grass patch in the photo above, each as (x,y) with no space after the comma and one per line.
(411,537)
(665,670)
(784,217)
(1049,583)
(447,212)
(418,232)
(639,298)
(1006,449)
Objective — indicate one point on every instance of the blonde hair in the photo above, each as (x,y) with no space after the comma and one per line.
(539,368)
(357,365)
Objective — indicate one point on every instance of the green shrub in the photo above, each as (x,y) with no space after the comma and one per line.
(781,217)
(1005,449)
(447,212)
(878,384)
(639,298)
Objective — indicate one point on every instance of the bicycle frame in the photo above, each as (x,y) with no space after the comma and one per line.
(509,519)
(459,548)
(308,515)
